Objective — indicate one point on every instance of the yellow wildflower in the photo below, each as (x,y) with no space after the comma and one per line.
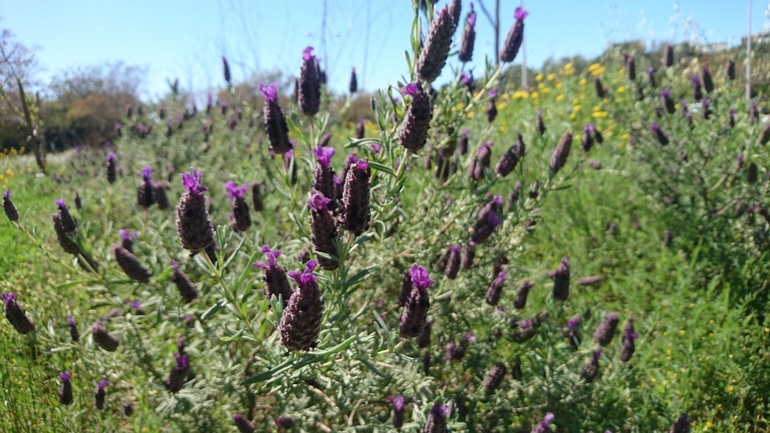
(560,98)
(551,77)
(621,89)
(539,77)
(583,81)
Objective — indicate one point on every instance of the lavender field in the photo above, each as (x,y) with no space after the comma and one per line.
(586,253)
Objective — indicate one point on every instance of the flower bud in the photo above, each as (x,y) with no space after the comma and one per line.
(161,197)
(491,110)
(131,266)
(226,70)
(436,49)
(515,37)
(630,66)
(481,161)
(183,284)
(353,85)
(659,135)
(128,410)
(111,169)
(469,37)
(240,216)
(629,335)
(453,262)
(540,126)
(104,339)
(650,77)
(682,425)
(243,424)
(274,120)
(256,196)
(146,192)
(284,422)
(178,374)
(542,427)
(561,153)
(8,207)
(74,333)
(309,97)
(415,313)
(436,422)
(521,295)
(697,93)
(464,142)
(323,176)
(65,392)
(323,230)
(494,377)
(414,129)
(708,82)
(193,225)
(100,395)
(495,289)
(276,280)
(668,55)
(301,320)
(599,88)
(591,368)
(588,137)
(68,223)
(398,411)
(604,333)
(354,210)
(730,75)
(561,280)
(16,315)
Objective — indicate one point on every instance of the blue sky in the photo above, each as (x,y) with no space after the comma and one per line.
(185,39)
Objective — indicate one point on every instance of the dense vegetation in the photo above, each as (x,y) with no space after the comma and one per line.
(656,217)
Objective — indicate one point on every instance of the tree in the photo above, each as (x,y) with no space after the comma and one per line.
(17,67)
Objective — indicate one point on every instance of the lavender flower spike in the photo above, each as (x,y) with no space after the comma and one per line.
(604,333)
(183,284)
(301,320)
(240,216)
(561,153)
(243,424)
(542,426)
(469,37)
(65,393)
(309,97)
(111,169)
(323,175)
(398,411)
(414,129)
(193,225)
(658,133)
(8,207)
(436,49)
(100,395)
(131,266)
(274,120)
(354,211)
(146,192)
(74,333)
(436,422)
(16,315)
(323,230)
(515,37)
(415,313)
(276,281)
